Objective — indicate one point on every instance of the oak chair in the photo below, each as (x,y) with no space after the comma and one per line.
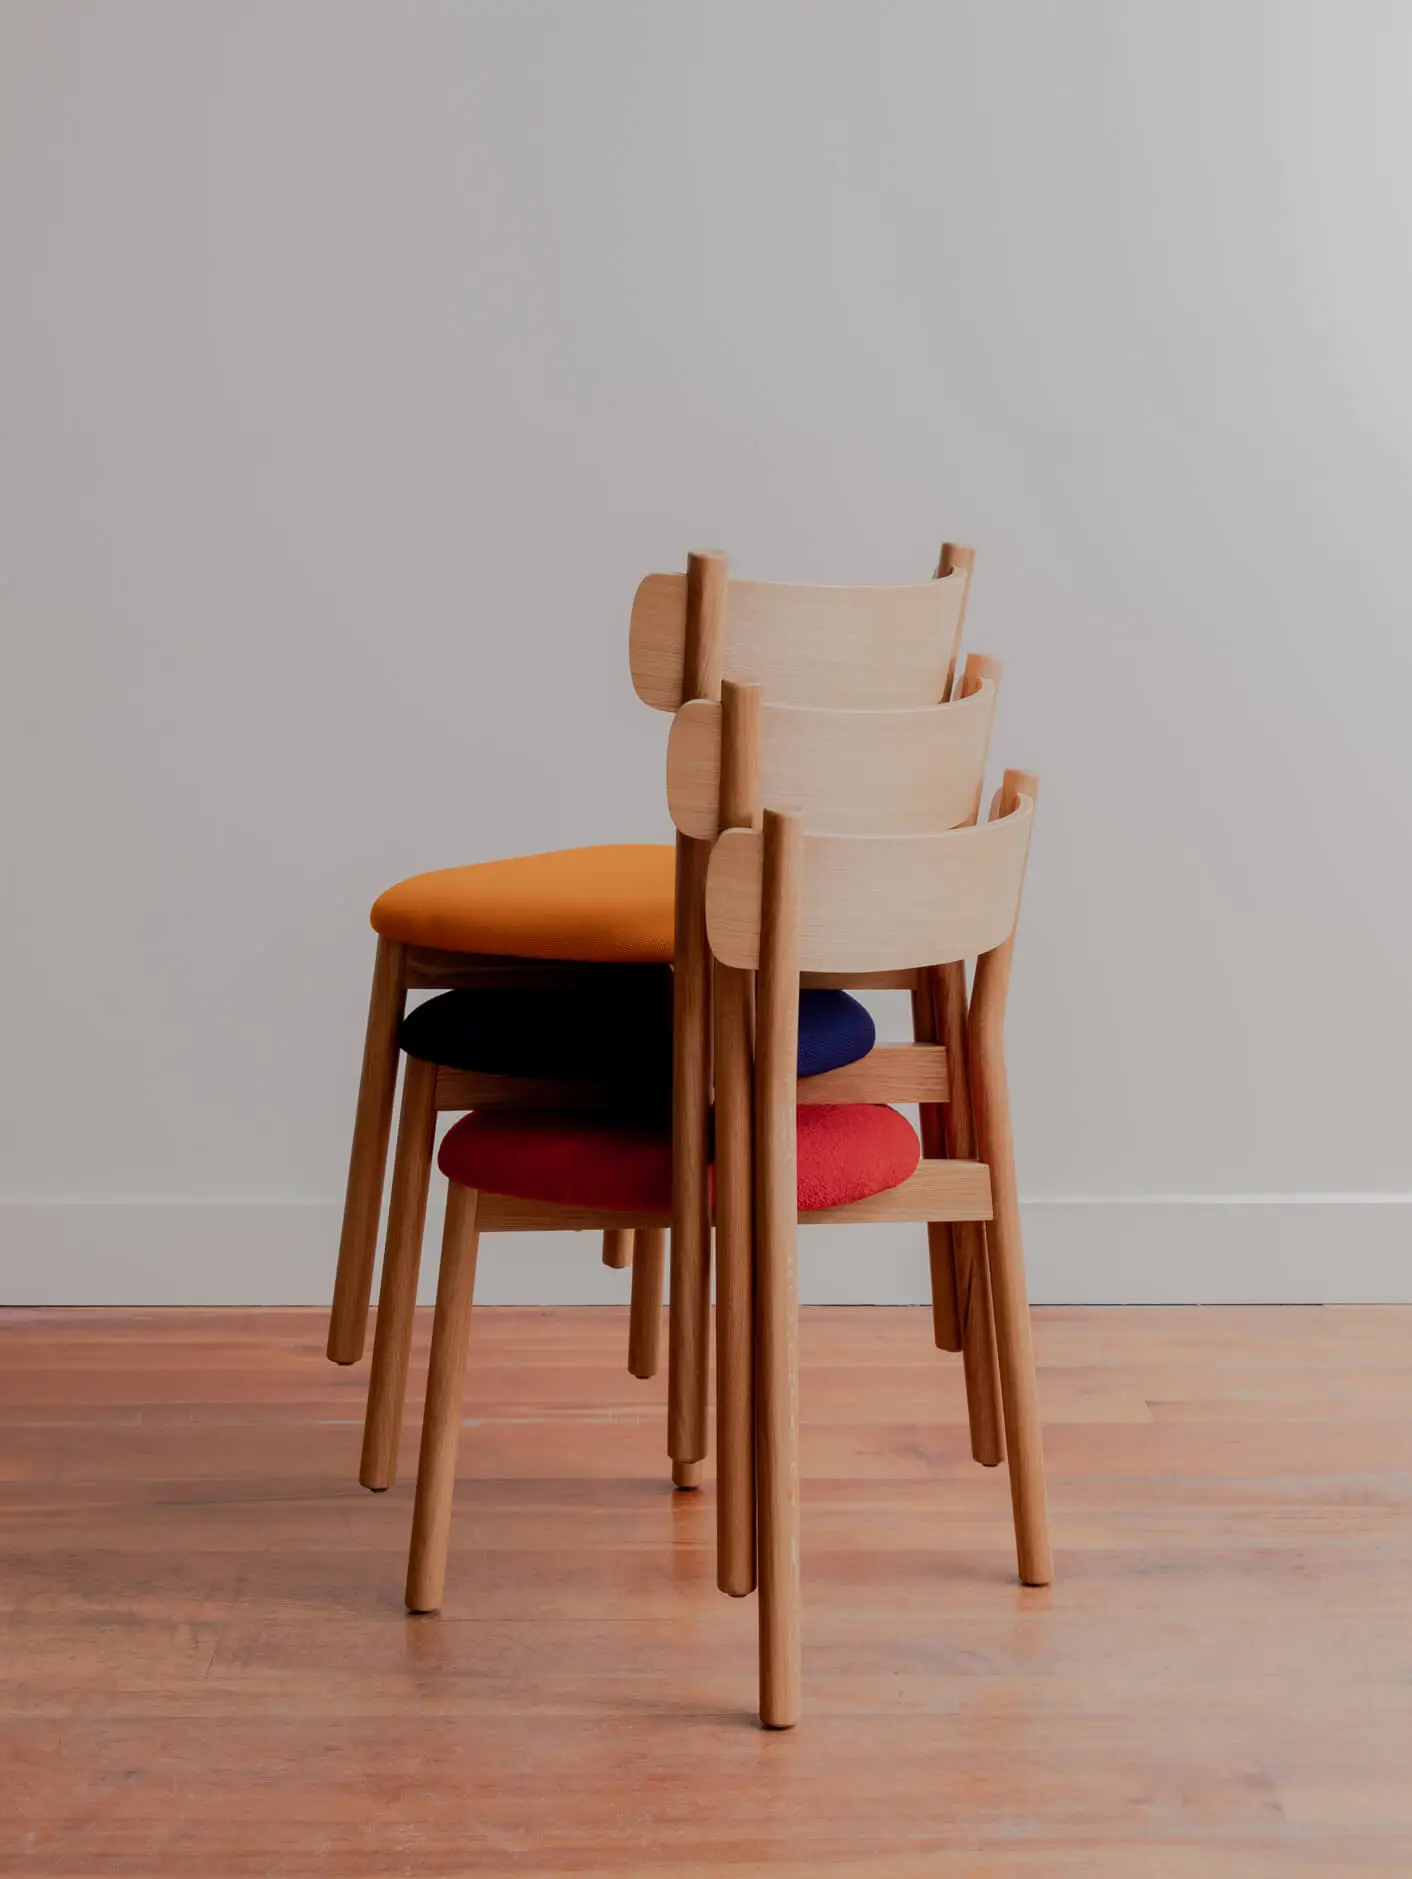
(803,645)
(831,647)
(921,768)
(780,903)
(873,772)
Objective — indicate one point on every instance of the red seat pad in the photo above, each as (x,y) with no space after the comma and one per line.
(850,1150)
(846,1151)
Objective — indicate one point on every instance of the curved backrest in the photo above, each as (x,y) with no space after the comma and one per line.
(877,903)
(846,647)
(849,772)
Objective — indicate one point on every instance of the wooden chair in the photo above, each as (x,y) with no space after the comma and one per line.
(782,902)
(923,769)
(803,645)
(874,772)
(843,648)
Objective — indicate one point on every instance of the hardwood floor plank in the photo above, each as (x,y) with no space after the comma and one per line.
(205,1667)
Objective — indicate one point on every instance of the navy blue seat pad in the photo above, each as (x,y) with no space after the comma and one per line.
(834,1029)
(614,1028)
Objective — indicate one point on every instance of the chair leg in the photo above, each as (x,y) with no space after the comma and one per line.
(689,1310)
(777,1276)
(1019,1396)
(980,1360)
(972,1272)
(777,1466)
(649,1259)
(617,1248)
(401,1262)
(352,1288)
(733,1006)
(941,1257)
(441,1417)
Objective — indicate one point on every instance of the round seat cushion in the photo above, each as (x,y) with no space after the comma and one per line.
(610,903)
(834,1030)
(615,1027)
(846,1151)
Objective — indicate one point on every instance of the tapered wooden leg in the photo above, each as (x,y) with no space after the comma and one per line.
(1012,1314)
(441,1418)
(617,1247)
(352,1288)
(649,1259)
(776,1277)
(777,1463)
(733,1015)
(946,1316)
(979,1357)
(401,1262)
(689,1314)
(968,1241)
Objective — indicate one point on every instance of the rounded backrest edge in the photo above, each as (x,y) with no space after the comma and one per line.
(878,903)
(878,647)
(847,772)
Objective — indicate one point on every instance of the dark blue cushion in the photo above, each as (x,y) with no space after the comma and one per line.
(834,1029)
(612,1027)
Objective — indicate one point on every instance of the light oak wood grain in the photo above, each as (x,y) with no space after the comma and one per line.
(737,785)
(617,1249)
(890,1073)
(848,772)
(969,1268)
(459,1090)
(935,1190)
(367,1163)
(441,1413)
(851,647)
(941,1259)
(401,1263)
(995,1143)
(649,1265)
(956,561)
(904,980)
(429,969)
(505,1213)
(970,1258)
(776,1276)
(689,1317)
(878,903)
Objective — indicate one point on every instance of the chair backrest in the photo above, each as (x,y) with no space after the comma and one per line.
(850,772)
(875,903)
(849,647)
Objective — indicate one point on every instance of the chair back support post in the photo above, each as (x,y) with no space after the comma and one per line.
(980,668)
(689,1327)
(733,1015)
(956,559)
(995,1145)
(972,1328)
(776,1225)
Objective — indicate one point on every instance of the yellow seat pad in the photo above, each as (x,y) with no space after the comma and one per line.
(610,903)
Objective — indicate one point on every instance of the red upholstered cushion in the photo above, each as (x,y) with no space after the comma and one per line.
(575,1160)
(846,1151)
(849,1150)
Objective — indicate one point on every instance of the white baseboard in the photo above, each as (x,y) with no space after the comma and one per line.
(1146,1249)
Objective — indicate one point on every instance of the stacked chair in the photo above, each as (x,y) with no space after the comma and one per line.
(825,776)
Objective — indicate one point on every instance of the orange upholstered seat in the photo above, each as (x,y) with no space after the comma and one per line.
(611,903)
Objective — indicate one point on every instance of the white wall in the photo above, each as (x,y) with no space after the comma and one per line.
(358,359)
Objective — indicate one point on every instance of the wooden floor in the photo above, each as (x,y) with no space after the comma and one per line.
(206,1668)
